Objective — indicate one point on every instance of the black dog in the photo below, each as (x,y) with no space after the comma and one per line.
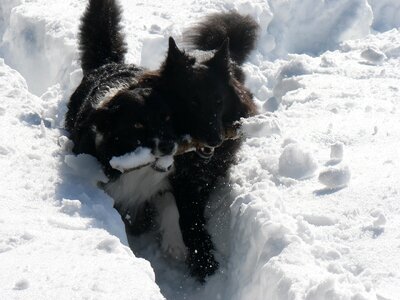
(221,87)
(205,92)
(109,116)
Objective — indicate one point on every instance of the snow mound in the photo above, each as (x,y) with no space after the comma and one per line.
(337,150)
(335,177)
(373,55)
(296,163)
(336,155)
(70,207)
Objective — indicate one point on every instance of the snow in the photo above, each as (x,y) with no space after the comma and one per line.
(335,177)
(373,56)
(336,21)
(290,225)
(262,125)
(295,163)
(386,14)
(140,157)
(56,227)
(86,166)
(165,162)
(337,150)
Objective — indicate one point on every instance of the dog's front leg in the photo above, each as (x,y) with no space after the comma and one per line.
(168,220)
(201,260)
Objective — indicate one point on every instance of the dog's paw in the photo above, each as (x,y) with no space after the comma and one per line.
(172,244)
(202,265)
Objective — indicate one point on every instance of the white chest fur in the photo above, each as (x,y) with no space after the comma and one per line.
(133,188)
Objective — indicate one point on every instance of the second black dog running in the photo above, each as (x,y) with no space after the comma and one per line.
(118,108)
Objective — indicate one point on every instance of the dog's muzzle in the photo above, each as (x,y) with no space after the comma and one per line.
(205,152)
(160,169)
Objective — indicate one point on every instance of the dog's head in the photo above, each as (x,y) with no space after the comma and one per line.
(131,119)
(199,89)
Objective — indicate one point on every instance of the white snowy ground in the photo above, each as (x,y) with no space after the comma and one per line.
(313,210)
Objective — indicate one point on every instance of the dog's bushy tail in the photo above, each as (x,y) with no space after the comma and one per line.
(101,40)
(209,34)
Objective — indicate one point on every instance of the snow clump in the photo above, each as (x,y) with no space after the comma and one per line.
(295,163)
(141,156)
(335,177)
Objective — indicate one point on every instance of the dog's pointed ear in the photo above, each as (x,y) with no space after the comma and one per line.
(174,54)
(175,58)
(221,57)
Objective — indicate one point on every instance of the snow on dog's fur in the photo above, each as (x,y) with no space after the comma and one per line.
(108,116)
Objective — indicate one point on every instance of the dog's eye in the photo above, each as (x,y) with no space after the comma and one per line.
(219,102)
(138,125)
(167,118)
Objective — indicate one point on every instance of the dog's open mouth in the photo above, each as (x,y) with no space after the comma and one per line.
(205,152)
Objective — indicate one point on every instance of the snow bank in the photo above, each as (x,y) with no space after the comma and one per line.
(314,26)
(59,236)
(386,14)
(280,258)
(86,166)
(39,37)
(40,41)
(294,25)
(332,107)
(5,12)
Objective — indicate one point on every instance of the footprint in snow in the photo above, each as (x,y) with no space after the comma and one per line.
(22,284)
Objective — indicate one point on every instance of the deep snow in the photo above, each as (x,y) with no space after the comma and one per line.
(312,209)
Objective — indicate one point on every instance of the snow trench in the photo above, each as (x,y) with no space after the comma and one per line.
(265,250)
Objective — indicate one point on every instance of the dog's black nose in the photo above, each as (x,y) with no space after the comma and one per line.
(166,147)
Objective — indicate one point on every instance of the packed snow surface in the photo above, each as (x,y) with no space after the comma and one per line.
(312,208)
